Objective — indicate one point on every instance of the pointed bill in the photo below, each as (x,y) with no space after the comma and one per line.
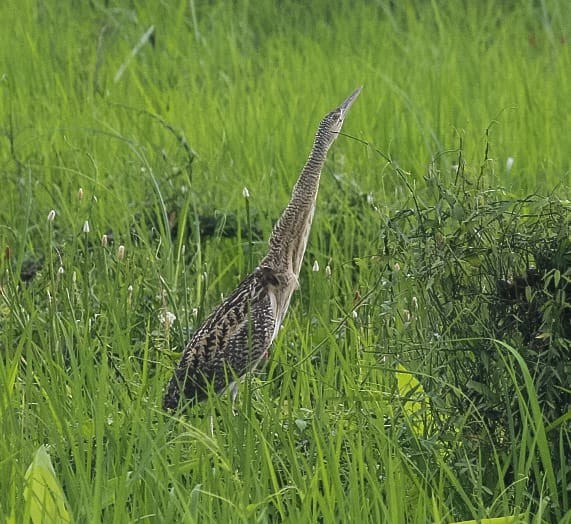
(345,106)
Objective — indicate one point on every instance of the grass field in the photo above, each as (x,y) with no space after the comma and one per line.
(141,123)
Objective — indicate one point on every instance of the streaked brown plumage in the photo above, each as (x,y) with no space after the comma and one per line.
(239,332)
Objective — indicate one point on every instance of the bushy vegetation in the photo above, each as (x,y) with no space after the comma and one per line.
(422,372)
(489,277)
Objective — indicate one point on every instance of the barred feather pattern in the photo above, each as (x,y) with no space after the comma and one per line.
(230,342)
(239,332)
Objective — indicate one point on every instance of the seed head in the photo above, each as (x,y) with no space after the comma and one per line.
(167,318)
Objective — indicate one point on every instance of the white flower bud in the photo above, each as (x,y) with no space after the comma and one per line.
(245,193)
(315,267)
(86,227)
(167,318)
(52,215)
(80,194)
(121,252)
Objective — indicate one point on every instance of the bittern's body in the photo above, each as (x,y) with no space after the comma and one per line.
(238,334)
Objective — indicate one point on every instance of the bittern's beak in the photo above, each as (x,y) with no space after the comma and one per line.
(345,106)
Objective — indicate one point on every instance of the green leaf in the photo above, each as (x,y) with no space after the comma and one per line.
(44,498)
(415,399)
(516,519)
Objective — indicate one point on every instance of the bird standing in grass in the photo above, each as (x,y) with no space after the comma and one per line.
(239,332)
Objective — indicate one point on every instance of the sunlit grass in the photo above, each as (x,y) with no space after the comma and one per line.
(162,143)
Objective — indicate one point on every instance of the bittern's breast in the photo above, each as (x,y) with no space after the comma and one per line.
(280,296)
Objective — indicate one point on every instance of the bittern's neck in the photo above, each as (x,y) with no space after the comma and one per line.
(290,235)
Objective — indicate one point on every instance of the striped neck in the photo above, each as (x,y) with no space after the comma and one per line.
(289,237)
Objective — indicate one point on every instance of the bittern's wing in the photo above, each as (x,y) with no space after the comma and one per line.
(231,341)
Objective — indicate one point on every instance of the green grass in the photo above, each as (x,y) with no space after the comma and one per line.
(162,144)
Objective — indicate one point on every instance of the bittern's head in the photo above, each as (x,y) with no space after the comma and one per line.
(333,122)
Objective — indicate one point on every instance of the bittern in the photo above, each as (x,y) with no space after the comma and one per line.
(238,333)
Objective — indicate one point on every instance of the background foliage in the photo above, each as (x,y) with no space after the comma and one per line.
(422,372)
